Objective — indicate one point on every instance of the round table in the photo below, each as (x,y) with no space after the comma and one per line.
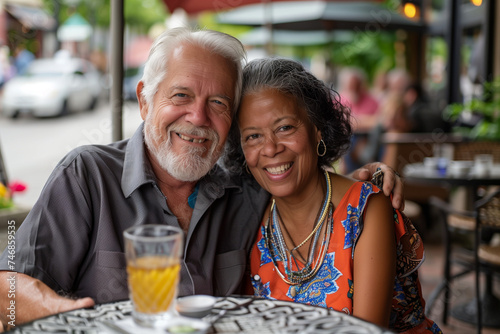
(244,315)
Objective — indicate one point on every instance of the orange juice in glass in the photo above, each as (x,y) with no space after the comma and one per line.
(153,255)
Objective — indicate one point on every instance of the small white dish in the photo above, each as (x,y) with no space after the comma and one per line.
(431,163)
(460,168)
(176,325)
(196,306)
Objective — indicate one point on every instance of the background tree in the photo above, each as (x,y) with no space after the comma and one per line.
(139,14)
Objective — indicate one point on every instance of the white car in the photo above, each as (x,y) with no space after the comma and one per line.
(53,87)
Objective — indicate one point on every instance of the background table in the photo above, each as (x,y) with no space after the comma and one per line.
(244,315)
(418,173)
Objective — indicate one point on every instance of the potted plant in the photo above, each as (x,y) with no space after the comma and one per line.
(5,197)
(478,118)
(9,211)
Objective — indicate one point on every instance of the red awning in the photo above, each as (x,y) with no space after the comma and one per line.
(137,52)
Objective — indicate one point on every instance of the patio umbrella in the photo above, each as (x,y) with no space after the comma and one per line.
(260,36)
(320,15)
(197,6)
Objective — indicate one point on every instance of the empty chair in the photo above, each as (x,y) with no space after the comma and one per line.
(467,237)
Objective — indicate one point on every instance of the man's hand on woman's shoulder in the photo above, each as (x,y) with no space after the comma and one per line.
(392,182)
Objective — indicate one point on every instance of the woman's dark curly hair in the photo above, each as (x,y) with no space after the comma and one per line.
(321,103)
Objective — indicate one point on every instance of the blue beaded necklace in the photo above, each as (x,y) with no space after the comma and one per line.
(278,249)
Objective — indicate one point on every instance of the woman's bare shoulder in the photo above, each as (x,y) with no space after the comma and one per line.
(340,185)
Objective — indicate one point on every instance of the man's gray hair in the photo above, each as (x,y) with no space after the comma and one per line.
(216,42)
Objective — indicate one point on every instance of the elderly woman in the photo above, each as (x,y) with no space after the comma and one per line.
(325,240)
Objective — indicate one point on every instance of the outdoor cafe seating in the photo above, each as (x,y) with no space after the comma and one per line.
(468,211)
(467,239)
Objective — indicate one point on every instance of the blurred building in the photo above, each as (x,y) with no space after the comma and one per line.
(24,23)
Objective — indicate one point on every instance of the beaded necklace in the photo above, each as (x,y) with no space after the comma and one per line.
(277,246)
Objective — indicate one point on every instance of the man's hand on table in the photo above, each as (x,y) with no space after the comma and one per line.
(33,300)
(392,181)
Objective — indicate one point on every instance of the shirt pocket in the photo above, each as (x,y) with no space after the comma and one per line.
(105,280)
(110,259)
(229,269)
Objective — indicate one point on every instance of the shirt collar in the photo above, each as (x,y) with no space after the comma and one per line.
(137,171)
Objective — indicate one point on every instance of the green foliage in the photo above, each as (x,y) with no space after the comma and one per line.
(139,14)
(488,107)
(5,197)
(208,20)
(96,12)
(437,4)
(143,14)
(370,51)
(438,46)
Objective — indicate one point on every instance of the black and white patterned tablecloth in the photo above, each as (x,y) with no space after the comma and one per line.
(244,315)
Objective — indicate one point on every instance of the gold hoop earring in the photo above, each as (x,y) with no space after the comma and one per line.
(324,148)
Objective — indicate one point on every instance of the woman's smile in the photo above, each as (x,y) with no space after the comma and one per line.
(279,169)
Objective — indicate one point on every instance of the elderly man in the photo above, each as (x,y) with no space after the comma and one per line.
(71,243)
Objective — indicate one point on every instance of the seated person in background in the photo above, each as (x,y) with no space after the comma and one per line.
(380,83)
(364,109)
(424,116)
(417,107)
(395,117)
(397,81)
(403,109)
(71,243)
(354,93)
(324,239)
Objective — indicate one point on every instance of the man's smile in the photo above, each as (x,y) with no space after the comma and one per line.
(191,139)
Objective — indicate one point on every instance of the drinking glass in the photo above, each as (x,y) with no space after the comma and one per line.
(483,163)
(153,255)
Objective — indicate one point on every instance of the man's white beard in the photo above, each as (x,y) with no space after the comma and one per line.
(189,165)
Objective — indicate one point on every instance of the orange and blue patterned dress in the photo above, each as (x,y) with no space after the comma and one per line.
(332,286)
